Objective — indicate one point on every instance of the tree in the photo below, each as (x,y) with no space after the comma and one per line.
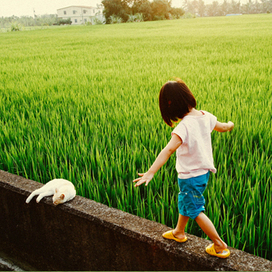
(193,6)
(160,9)
(266,6)
(142,7)
(224,8)
(127,10)
(64,21)
(118,8)
(248,7)
(257,7)
(177,12)
(213,9)
(201,8)
(234,7)
(227,7)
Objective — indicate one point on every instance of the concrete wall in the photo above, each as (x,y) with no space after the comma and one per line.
(85,235)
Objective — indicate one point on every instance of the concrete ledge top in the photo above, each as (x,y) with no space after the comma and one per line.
(140,229)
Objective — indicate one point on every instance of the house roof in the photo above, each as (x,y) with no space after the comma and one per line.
(87,7)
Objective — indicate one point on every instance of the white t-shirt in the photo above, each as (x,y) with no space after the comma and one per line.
(194,156)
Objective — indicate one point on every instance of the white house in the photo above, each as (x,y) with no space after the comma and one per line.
(81,14)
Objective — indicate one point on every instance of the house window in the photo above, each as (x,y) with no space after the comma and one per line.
(74,11)
(94,11)
(64,12)
(84,11)
(85,21)
(75,21)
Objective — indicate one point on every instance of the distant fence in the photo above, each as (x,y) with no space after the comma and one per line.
(85,235)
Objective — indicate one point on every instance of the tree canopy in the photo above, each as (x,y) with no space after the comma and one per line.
(155,10)
(199,8)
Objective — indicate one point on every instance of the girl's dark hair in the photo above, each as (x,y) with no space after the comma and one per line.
(175,101)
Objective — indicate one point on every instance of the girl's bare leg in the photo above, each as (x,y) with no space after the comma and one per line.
(178,232)
(207,226)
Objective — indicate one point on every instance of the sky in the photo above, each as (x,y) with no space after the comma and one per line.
(25,7)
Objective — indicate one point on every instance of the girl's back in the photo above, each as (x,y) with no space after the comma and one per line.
(194,156)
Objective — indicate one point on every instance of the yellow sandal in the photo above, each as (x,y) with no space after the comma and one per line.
(222,254)
(169,235)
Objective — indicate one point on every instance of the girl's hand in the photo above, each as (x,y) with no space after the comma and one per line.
(145,178)
(224,127)
(231,126)
(162,158)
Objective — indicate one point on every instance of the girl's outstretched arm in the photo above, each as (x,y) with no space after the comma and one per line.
(162,158)
(223,127)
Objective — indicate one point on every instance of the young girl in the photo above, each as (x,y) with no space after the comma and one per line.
(191,139)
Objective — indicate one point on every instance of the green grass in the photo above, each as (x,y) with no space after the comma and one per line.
(81,103)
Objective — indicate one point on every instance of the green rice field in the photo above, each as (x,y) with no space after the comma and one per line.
(81,103)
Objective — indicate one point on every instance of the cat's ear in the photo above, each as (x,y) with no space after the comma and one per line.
(62,196)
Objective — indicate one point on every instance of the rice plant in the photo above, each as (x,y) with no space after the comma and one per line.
(81,103)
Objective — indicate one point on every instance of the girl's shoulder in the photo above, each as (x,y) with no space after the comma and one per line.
(207,112)
(212,119)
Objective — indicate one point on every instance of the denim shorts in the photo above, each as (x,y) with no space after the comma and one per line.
(190,199)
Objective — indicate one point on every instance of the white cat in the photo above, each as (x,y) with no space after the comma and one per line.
(61,189)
